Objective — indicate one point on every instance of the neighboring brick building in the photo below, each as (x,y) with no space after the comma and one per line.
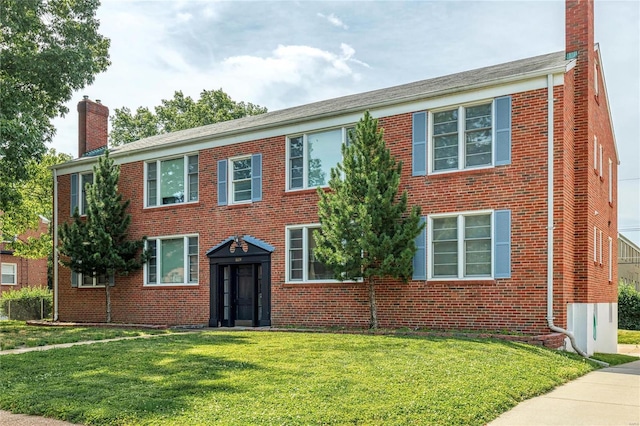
(628,262)
(18,272)
(228,208)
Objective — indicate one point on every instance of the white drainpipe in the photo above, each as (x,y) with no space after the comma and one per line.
(550,226)
(55,245)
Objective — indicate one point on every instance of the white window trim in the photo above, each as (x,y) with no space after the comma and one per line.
(610,181)
(15,273)
(158,162)
(81,204)
(81,281)
(595,244)
(461,142)
(230,191)
(185,283)
(305,256)
(305,156)
(610,259)
(600,244)
(595,79)
(600,161)
(595,153)
(461,258)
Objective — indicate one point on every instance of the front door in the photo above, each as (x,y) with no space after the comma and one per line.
(241,294)
(245,292)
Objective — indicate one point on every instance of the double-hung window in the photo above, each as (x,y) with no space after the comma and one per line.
(172,181)
(241,178)
(462,137)
(172,260)
(302,265)
(79,184)
(9,273)
(471,245)
(311,156)
(88,281)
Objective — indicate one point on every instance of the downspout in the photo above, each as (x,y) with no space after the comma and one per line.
(550,226)
(55,244)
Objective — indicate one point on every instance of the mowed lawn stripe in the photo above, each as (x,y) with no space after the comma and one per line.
(240,378)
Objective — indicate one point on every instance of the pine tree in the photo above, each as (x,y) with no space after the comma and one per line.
(366,232)
(98,245)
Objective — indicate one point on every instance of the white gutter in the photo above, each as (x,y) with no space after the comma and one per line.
(55,245)
(551,226)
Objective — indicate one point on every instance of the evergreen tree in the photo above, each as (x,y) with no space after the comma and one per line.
(366,232)
(98,244)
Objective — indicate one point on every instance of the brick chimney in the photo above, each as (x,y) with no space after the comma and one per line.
(93,120)
(579,39)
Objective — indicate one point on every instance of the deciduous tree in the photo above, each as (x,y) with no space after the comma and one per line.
(48,49)
(179,113)
(366,232)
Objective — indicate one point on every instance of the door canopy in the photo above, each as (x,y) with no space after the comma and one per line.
(240,246)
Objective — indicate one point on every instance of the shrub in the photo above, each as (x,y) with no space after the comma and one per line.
(628,307)
(26,303)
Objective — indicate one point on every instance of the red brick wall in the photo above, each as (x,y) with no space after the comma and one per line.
(516,304)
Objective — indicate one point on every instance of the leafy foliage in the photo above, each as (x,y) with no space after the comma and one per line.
(36,199)
(48,49)
(179,113)
(628,307)
(366,231)
(100,245)
(26,303)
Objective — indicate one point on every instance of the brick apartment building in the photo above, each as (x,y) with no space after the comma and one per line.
(18,272)
(510,243)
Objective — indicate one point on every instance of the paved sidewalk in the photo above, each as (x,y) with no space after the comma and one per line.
(610,396)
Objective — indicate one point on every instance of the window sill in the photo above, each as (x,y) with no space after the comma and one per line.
(170,286)
(290,192)
(239,205)
(448,173)
(458,281)
(8,284)
(319,283)
(169,206)
(84,287)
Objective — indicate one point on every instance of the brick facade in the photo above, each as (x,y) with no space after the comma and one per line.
(516,304)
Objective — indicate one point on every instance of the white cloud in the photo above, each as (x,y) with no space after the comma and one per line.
(184,17)
(334,20)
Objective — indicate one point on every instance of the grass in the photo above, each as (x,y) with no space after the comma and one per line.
(239,378)
(614,359)
(629,337)
(16,334)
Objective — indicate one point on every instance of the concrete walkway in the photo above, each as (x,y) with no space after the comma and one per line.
(609,396)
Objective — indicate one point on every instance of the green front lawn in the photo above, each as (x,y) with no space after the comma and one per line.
(240,378)
(629,337)
(16,334)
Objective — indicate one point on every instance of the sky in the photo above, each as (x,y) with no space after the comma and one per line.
(280,54)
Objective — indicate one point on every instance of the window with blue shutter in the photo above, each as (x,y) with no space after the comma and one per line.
(502,244)
(419,144)
(256,177)
(420,257)
(74,279)
(222,182)
(503,130)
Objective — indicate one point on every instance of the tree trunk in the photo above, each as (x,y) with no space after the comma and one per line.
(373,306)
(108,294)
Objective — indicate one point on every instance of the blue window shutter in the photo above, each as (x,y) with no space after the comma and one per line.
(419,144)
(256,177)
(74,192)
(222,182)
(503,130)
(74,279)
(420,257)
(502,244)
(112,280)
